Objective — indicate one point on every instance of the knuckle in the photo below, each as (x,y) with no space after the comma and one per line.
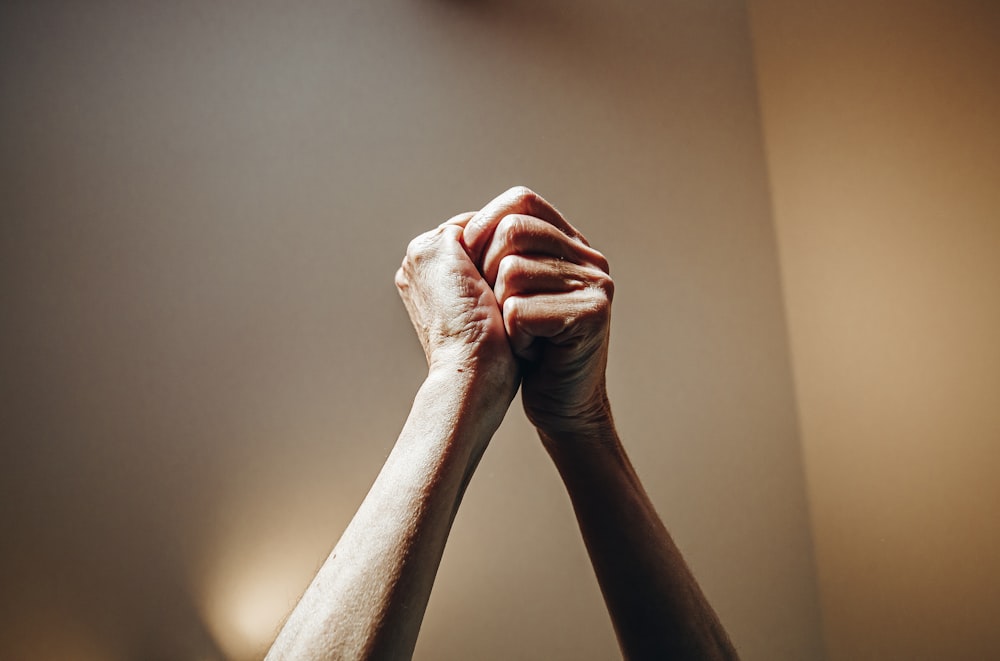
(402,282)
(413,248)
(510,267)
(459,219)
(605,284)
(522,195)
(503,231)
(420,245)
(602,263)
(506,267)
(511,311)
(508,228)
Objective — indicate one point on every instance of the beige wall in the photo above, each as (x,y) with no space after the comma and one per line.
(882,126)
(205,361)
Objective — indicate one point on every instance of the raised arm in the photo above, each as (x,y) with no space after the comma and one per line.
(368,599)
(555,293)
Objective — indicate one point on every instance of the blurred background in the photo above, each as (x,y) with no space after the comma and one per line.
(205,362)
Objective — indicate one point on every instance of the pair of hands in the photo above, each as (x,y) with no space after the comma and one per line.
(507,296)
(514,294)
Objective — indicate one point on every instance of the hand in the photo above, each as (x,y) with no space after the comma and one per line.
(555,293)
(453,309)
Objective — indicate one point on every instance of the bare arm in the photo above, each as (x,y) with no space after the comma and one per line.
(555,294)
(368,599)
(657,608)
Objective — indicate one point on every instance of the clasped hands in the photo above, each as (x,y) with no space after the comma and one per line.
(513,294)
(510,295)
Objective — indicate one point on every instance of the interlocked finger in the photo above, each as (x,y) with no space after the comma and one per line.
(559,318)
(517,200)
(526,235)
(519,275)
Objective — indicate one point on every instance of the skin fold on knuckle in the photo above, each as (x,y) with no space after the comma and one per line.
(601,262)
(512,312)
(415,245)
(511,273)
(423,246)
(603,283)
(400,279)
(522,196)
(509,230)
(527,232)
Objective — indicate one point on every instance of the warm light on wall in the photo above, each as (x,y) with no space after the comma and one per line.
(882,158)
(250,589)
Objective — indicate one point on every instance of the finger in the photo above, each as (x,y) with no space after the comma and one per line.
(519,199)
(447,236)
(522,276)
(451,233)
(461,219)
(526,235)
(556,318)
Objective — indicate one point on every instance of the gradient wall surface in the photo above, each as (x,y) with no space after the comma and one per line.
(883,141)
(205,361)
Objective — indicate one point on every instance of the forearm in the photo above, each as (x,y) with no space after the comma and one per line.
(368,599)
(657,608)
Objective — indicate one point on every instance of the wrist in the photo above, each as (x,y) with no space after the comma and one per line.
(477,387)
(588,424)
(581,457)
(488,359)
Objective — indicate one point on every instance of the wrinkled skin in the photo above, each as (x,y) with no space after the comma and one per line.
(452,308)
(555,294)
(512,293)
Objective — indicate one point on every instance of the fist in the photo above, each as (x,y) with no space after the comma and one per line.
(452,308)
(555,293)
